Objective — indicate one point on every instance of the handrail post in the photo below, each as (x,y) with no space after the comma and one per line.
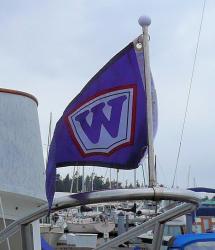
(158,231)
(27,237)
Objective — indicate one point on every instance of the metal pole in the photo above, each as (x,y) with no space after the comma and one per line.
(83,187)
(135,178)
(144,181)
(148,225)
(121,223)
(92,180)
(73,178)
(189,222)
(77,176)
(194,182)
(27,237)
(110,179)
(188,177)
(144,23)
(49,137)
(117,178)
(158,231)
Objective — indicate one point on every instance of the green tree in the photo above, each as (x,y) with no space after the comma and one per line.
(67,183)
(88,183)
(98,183)
(59,183)
(64,184)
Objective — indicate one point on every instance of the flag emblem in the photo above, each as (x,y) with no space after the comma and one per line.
(105,122)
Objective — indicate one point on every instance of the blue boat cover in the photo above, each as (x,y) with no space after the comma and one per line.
(202,189)
(205,211)
(181,241)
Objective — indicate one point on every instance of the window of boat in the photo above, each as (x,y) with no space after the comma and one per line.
(208,245)
(172,230)
(107,209)
(100,209)
(197,228)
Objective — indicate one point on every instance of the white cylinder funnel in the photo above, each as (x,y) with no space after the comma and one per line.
(22,178)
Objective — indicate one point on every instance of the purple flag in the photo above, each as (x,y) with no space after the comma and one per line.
(106,124)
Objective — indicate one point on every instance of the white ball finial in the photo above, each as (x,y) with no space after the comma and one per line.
(144,21)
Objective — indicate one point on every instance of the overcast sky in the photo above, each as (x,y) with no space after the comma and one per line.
(52,48)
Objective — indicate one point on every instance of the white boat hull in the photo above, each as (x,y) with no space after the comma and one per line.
(93,227)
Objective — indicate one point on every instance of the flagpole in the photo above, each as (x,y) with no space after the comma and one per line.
(144,22)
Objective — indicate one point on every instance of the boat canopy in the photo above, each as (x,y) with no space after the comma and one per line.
(202,189)
(205,211)
(207,207)
(204,241)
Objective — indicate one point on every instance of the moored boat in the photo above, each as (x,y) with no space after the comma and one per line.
(90,225)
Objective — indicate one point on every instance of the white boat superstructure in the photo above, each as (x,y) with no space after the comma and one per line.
(79,241)
(97,224)
(22,179)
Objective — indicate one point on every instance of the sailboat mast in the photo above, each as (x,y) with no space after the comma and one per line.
(117,178)
(77,176)
(92,180)
(83,177)
(73,178)
(144,22)
(188,177)
(135,178)
(110,179)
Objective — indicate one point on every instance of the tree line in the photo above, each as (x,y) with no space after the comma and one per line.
(93,182)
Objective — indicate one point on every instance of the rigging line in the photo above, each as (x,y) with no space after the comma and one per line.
(189,91)
(144,180)
(162,169)
(105,173)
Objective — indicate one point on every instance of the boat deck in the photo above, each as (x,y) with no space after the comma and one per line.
(65,247)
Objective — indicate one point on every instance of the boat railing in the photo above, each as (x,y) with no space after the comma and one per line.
(188,198)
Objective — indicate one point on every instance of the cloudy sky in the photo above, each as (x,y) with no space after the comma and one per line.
(52,48)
